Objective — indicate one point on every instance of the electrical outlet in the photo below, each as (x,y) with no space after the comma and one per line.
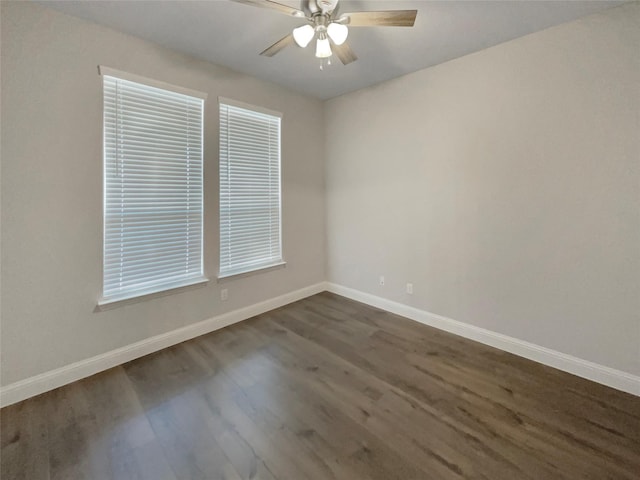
(410,288)
(224,294)
(381,280)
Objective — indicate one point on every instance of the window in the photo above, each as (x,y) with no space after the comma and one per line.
(152,186)
(249,188)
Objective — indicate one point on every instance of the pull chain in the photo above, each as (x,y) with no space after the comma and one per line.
(325,62)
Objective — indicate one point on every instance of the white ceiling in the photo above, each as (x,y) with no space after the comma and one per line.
(232,34)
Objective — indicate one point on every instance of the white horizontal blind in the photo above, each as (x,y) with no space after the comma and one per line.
(249,190)
(152,189)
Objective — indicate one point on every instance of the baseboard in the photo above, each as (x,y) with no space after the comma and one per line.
(577,366)
(44,382)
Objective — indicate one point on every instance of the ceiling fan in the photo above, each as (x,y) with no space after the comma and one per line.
(330,28)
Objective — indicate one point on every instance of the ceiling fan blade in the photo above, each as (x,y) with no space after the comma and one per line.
(279,45)
(344,53)
(294,12)
(390,18)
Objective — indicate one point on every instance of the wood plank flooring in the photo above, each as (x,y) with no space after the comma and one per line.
(325,388)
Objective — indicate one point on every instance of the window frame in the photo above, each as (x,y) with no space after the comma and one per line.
(280,262)
(169,287)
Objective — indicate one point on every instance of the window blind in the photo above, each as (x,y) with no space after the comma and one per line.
(249,188)
(152,189)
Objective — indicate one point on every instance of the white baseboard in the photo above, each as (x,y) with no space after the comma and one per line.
(44,382)
(592,371)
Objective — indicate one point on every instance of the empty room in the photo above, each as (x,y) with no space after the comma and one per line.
(320,239)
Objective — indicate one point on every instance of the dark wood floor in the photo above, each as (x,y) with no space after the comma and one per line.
(325,388)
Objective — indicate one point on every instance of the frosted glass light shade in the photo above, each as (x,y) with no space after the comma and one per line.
(323,49)
(303,35)
(338,33)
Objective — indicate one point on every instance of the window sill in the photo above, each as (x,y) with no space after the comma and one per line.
(114,302)
(245,273)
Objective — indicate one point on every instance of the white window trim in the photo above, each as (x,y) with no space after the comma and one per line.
(169,288)
(254,270)
(107,304)
(248,106)
(112,72)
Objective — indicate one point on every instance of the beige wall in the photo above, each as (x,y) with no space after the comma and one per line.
(505,186)
(52,191)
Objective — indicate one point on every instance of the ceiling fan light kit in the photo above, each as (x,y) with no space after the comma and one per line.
(323,48)
(337,32)
(327,26)
(303,35)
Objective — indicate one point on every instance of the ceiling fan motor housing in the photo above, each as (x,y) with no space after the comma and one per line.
(327,5)
(320,21)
